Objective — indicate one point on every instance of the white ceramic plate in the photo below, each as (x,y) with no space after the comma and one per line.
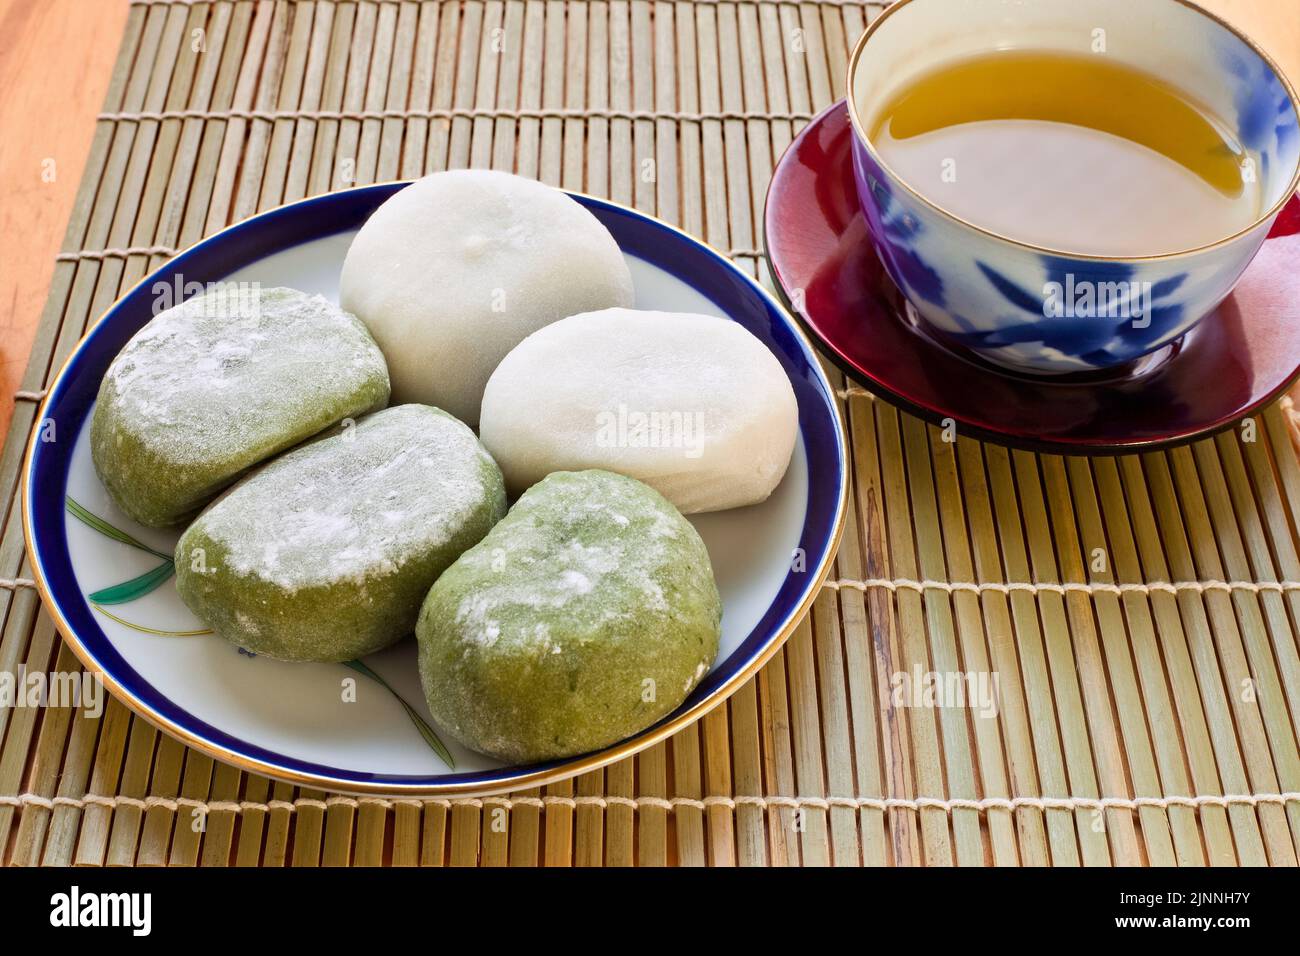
(106,579)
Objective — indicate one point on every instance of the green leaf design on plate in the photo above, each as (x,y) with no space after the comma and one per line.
(420,723)
(106,529)
(137,587)
(149,630)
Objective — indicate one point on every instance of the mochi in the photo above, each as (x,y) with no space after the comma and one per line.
(586,615)
(453,271)
(223,381)
(695,406)
(326,553)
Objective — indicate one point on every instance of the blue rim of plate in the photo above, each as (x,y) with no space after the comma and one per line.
(71,396)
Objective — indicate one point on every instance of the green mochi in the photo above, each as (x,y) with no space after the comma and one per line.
(325,553)
(585,616)
(223,381)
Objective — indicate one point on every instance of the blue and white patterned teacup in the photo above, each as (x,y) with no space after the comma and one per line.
(987,292)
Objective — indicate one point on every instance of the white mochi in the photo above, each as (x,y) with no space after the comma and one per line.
(693,405)
(455,270)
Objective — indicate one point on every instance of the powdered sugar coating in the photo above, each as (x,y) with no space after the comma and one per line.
(585,545)
(693,405)
(540,640)
(453,271)
(326,552)
(221,382)
(360,504)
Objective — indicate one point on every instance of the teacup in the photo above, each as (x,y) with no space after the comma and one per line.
(986,292)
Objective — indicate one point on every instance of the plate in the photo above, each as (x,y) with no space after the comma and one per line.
(1236,360)
(364,727)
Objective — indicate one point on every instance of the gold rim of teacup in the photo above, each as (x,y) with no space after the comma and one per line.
(861,134)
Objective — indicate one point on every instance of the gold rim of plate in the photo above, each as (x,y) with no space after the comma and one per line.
(525,780)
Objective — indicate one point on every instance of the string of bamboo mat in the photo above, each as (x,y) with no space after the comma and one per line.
(204,807)
(471,113)
(825,3)
(1000,587)
(1128,716)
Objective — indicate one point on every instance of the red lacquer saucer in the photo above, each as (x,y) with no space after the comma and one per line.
(1233,362)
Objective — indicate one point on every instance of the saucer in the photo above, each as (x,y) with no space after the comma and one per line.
(1236,360)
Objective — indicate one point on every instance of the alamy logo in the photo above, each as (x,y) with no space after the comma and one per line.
(242,300)
(75,908)
(974,690)
(80,689)
(1085,299)
(632,428)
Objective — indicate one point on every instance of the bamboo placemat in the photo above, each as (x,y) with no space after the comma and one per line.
(1128,707)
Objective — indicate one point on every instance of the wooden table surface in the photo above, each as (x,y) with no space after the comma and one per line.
(55,58)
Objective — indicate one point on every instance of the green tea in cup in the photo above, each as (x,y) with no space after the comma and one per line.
(1071,152)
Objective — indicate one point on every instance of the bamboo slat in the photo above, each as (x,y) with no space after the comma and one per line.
(1106,687)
